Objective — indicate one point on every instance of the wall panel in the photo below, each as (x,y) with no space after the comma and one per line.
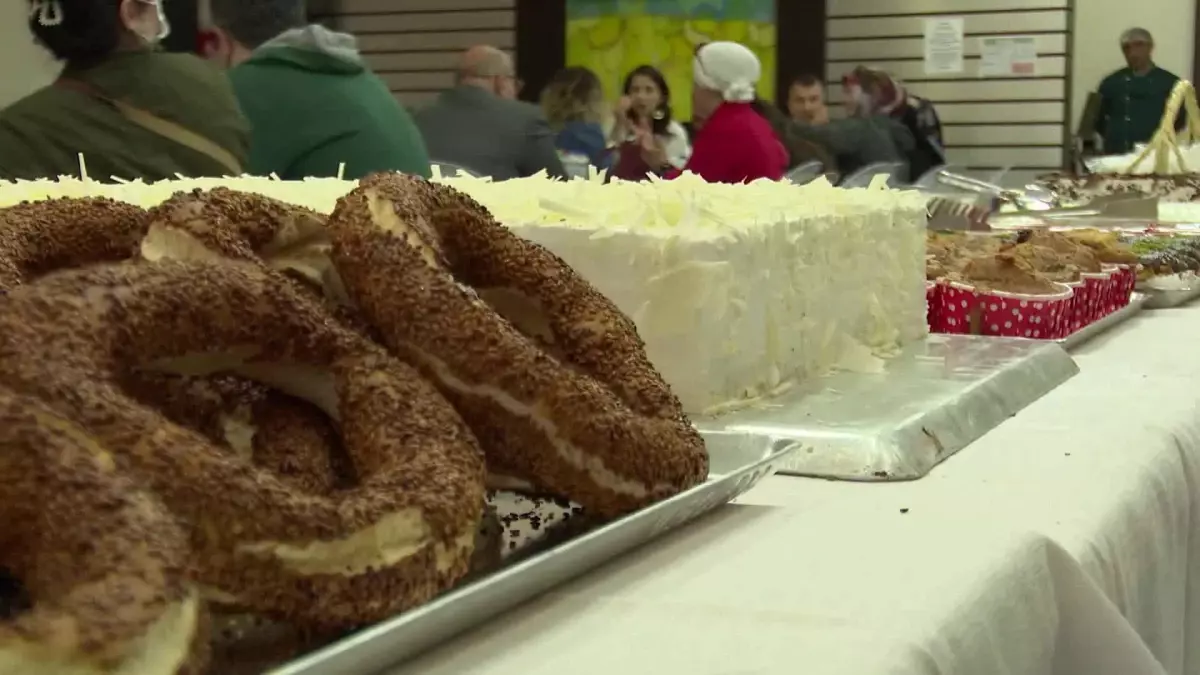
(414,44)
(989,123)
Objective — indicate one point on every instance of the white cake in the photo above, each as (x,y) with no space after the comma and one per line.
(737,290)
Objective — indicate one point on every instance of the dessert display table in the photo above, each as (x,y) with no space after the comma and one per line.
(1063,541)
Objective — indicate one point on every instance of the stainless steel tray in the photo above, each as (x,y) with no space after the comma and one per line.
(1157,299)
(1136,302)
(933,399)
(737,462)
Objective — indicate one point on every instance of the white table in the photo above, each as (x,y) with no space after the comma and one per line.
(1062,542)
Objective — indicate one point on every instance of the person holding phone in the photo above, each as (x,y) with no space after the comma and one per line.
(643,121)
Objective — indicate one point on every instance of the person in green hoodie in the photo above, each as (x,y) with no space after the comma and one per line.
(131,110)
(313,104)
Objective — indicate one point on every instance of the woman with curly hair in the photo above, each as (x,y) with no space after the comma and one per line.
(573,102)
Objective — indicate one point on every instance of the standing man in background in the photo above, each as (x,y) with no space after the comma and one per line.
(1133,98)
(806,100)
(312,102)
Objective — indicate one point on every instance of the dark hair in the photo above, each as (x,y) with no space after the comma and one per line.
(89,31)
(806,80)
(656,75)
(253,22)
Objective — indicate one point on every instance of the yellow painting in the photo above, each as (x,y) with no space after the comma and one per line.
(612,37)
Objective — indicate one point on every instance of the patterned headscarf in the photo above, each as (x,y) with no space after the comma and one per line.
(874,92)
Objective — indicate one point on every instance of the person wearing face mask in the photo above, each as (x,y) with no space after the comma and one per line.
(314,106)
(734,143)
(480,126)
(131,111)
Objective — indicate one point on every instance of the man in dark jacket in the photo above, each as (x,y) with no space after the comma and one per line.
(312,102)
(480,126)
(1133,98)
(858,142)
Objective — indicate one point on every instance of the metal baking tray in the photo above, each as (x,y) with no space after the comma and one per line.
(1136,302)
(931,400)
(737,463)
(1159,299)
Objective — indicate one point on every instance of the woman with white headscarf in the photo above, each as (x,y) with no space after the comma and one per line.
(734,144)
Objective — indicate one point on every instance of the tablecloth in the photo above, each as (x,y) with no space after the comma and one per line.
(1064,542)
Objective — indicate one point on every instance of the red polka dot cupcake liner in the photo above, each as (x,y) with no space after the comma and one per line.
(966,310)
(931,305)
(1124,281)
(1100,288)
(1082,304)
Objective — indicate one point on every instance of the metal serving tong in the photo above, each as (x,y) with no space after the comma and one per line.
(1039,202)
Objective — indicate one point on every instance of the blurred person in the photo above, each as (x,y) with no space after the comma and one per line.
(130,109)
(313,104)
(645,107)
(733,142)
(1133,99)
(857,142)
(573,102)
(480,126)
(806,100)
(800,150)
(871,93)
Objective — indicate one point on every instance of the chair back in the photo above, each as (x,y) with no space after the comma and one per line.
(450,169)
(895,171)
(575,164)
(805,173)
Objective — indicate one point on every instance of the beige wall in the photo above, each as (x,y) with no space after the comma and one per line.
(886,33)
(1099,24)
(414,44)
(989,123)
(24,66)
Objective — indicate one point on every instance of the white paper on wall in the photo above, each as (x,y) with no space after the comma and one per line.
(943,45)
(1008,56)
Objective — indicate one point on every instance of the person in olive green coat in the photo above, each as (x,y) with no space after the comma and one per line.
(1133,98)
(312,102)
(130,110)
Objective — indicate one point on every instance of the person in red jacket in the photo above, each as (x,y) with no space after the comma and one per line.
(734,143)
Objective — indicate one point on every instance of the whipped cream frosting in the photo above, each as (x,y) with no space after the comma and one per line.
(738,291)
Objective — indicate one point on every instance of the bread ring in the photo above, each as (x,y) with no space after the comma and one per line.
(43,236)
(39,237)
(403,534)
(239,225)
(276,432)
(572,404)
(103,560)
(224,223)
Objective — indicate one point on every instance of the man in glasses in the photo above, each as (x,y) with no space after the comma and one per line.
(314,106)
(479,125)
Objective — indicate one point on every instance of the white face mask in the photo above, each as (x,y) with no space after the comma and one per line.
(159,28)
